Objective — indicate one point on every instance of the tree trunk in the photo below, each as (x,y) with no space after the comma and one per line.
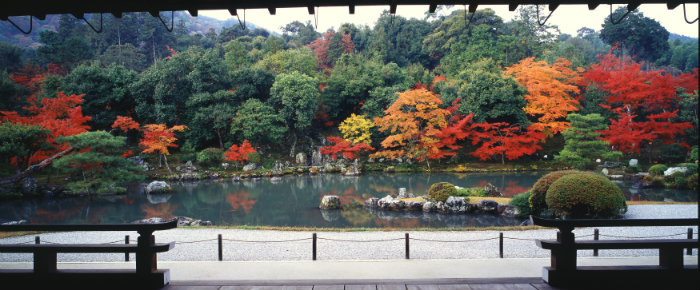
(503,158)
(221,144)
(46,162)
(166,164)
(294,144)
(153,47)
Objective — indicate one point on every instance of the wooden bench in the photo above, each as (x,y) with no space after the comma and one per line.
(45,274)
(670,272)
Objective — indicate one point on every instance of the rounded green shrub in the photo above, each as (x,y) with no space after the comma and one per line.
(441,191)
(521,202)
(691,168)
(679,180)
(210,156)
(633,169)
(693,181)
(585,194)
(539,190)
(657,170)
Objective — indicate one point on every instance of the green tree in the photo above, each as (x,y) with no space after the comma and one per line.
(524,37)
(126,55)
(210,113)
(98,166)
(295,96)
(299,34)
(583,143)
(11,94)
(259,123)
(286,61)
(19,142)
(399,40)
(636,35)
(106,92)
(482,90)
(10,57)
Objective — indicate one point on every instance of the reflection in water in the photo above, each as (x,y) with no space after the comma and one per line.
(291,201)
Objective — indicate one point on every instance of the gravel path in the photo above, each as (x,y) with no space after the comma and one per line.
(201,244)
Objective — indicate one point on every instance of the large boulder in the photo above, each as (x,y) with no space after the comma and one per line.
(414,205)
(487,206)
(250,167)
(300,158)
(455,205)
(372,202)
(429,206)
(29,185)
(316,158)
(188,167)
(158,187)
(384,202)
(492,190)
(330,202)
(671,170)
(402,193)
(506,210)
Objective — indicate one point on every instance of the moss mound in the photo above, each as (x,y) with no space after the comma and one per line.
(538,191)
(657,170)
(441,191)
(585,194)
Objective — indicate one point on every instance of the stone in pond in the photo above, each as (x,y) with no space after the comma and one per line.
(330,202)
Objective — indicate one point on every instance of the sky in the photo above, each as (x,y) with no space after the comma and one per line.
(569,18)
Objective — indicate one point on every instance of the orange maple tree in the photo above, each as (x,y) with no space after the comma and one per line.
(414,120)
(551,92)
(344,147)
(239,153)
(125,124)
(158,137)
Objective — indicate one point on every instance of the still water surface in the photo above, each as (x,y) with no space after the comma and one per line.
(292,201)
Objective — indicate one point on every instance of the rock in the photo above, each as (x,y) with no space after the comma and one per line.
(202,223)
(353,170)
(455,204)
(250,167)
(487,206)
(397,205)
(414,205)
(29,185)
(398,160)
(633,162)
(150,221)
(275,179)
(492,191)
(616,176)
(604,171)
(158,186)
(316,158)
(671,170)
(597,160)
(300,158)
(225,165)
(372,202)
(506,210)
(429,206)
(384,202)
(330,202)
(402,193)
(370,160)
(189,167)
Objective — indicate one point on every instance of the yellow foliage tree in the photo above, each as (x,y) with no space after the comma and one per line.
(551,91)
(356,129)
(414,120)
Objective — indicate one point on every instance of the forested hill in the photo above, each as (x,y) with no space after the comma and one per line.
(195,25)
(415,89)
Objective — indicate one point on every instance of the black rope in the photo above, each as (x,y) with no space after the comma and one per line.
(619,20)
(20,29)
(629,237)
(361,241)
(92,27)
(686,16)
(172,21)
(242,24)
(542,23)
(277,241)
(452,241)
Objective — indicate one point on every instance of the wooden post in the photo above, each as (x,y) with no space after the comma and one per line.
(564,258)
(145,258)
(689,251)
(313,246)
(221,250)
(408,249)
(500,245)
(37,240)
(126,255)
(596,235)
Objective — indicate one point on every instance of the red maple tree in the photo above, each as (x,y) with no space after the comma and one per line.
(239,153)
(502,139)
(125,124)
(344,147)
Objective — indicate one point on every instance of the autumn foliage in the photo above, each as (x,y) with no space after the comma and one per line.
(158,138)
(344,147)
(551,91)
(125,124)
(239,153)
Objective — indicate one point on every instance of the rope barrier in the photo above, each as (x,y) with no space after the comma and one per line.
(276,241)
(453,241)
(361,241)
(519,239)
(644,237)
(192,242)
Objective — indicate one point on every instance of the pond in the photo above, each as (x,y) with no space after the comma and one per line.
(291,201)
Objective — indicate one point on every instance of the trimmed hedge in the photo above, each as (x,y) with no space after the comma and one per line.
(210,156)
(657,170)
(522,203)
(441,191)
(539,190)
(585,194)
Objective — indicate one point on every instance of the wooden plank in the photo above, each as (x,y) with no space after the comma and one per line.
(180,287)
(361,287)
(329,287)
(81,248)
(557,223)
(265,287)
(455,287)
(391,287)
(502,287)
(423,287)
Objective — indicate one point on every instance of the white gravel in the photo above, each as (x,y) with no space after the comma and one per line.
(377,244)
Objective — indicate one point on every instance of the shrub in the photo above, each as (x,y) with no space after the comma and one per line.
(692,168)
(679,180)
(633,169)
(210,156)
(657,170)
(693,154)
(673,153)
(522,203)
(585,194)
(539,189)
(441,191)
(472,191)
(693,181)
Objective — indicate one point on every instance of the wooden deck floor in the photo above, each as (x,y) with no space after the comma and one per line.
(441,284)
